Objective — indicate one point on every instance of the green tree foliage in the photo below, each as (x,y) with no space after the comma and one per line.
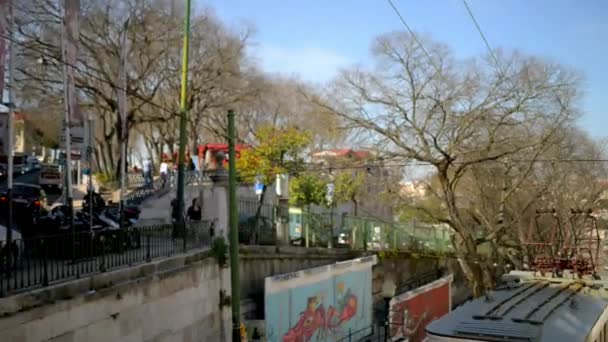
(307,189)
(278,151)
(348,188)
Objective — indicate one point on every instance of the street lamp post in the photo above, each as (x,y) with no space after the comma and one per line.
(388,292)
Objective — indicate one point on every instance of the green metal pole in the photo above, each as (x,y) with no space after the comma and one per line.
(182,122)
(235,282)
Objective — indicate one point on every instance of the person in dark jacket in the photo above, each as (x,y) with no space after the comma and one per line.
(194,212)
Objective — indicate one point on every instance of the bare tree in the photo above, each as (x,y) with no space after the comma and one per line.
(454,116)
(102,25)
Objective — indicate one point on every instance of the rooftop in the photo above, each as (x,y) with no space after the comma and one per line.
(343,152)
(529,310)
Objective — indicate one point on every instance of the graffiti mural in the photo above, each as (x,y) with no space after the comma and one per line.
(412,311)
(320,304)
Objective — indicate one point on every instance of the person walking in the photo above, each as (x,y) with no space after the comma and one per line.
(164,173)
(194,212)
(147,170)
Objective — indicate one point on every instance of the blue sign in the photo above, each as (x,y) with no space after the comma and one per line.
(258,187)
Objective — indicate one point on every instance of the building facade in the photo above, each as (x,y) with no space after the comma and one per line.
(19,143)
(372,203)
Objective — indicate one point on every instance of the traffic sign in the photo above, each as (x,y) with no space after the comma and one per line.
(258,186)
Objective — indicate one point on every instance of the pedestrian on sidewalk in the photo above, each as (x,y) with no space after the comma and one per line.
(164,173)
(147,170)
(194,212)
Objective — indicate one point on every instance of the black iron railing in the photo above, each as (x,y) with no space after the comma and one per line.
(42,261)
(145,191)
(248,207)
(370,333)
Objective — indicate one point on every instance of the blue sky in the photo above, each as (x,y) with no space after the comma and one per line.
(315,38)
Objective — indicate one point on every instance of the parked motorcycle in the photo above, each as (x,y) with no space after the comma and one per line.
(109,214)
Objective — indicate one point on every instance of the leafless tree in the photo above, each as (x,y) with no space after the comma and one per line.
(455,116)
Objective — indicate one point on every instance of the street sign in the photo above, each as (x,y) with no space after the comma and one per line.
(76,155)
(258,187)
(78,138)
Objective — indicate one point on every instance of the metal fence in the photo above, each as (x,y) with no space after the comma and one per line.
(144,191)
(373,234)
(355,232)
(47,260)
(373,333)
(248,207)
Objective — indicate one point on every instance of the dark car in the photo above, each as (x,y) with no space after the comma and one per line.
(263,234)
(29,203)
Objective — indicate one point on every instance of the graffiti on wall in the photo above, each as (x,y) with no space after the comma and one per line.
(412,311)
(320,304)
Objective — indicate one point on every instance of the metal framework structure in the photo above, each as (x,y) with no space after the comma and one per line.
(555,248)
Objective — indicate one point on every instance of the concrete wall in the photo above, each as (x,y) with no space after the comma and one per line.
(403,269)
(259,262)
(171,300)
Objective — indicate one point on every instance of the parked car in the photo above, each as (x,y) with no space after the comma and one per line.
(19,164)
(29,203)
(263,234)
(50,177)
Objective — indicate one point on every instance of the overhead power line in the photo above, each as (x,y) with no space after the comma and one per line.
(413,34)
(483,37)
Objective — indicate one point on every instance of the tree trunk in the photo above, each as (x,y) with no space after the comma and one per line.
(468,258)
(258,213)
(119,164)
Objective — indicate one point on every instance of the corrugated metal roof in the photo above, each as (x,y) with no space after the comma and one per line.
(533,310)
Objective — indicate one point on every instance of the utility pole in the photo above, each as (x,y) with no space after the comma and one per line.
(235,282)
(11,113)
(71,9)
(182,121)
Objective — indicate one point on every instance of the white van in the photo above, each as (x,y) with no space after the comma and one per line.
(50,177)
